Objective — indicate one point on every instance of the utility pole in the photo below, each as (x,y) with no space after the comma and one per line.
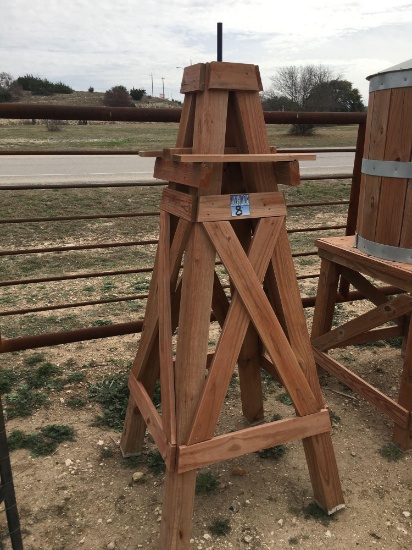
(151,75)
(163,87)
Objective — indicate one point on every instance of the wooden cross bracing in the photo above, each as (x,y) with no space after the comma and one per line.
(340,257)
(220,146)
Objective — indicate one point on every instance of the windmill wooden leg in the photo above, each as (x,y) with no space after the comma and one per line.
(178,502)
(250,377)
(146,365)
(320,456)
(323,471)
(190,368)
(249,357)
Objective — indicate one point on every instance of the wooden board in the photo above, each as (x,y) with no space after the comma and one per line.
(167,381)
(193,78)
(238,157)
(341,250)
(230,342)
(262,315)
(234,76)
(152,419)
(381,401)
(194,175)
(374,318)
(371,185)
(179,204)
(262,205)
(225,447)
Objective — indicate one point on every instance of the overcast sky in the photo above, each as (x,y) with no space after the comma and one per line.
(104,43)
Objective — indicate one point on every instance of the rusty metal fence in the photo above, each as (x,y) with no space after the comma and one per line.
(25,111)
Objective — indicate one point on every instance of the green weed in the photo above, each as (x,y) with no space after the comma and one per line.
(113,394)
(76,402)
(41,376)
(106,452)
(274,453)
(75,377)
(206,482)
(43,443)
(7,380)
(34,359)
(155,462)
(23,401)
(220,527)
(391,452)
(335,418)
(284,398)
(101,323)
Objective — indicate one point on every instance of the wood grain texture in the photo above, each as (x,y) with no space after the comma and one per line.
(151,416)
(378,316)
(167,381)
(187,120)
(262,315)
(233,76)
(377,122)
(177,510)
(239,157)
(231,339)
(287,173)
(341,250)
(179,204)
(291,304)
(193,78)
(381,401)
(252,439)
(262,205)
(325,298)
(190,174)
(403,436)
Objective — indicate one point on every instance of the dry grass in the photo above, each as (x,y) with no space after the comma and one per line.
(130,136)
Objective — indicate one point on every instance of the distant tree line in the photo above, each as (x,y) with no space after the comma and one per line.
(42,86)
(11,90)
(310,88)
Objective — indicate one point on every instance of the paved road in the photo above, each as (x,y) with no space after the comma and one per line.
(22,170)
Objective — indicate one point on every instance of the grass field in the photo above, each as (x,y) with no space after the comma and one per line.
(18,136)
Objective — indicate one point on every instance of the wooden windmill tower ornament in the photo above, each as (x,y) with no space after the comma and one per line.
(222,200)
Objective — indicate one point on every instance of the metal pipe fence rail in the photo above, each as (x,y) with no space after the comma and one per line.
(22,111)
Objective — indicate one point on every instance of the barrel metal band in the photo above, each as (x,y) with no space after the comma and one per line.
(384,251)
(387,168)
(385,81)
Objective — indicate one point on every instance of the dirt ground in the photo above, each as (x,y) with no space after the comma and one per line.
(84,497)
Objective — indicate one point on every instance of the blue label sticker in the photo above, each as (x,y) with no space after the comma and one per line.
(240,204)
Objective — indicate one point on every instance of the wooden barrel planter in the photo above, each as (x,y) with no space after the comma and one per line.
(384,226)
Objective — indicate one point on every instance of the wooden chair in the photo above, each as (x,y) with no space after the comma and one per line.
(340,258)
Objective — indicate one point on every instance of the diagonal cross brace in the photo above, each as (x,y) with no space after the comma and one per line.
(262,315)
(231,340)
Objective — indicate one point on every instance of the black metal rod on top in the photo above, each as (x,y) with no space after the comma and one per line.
(219,41)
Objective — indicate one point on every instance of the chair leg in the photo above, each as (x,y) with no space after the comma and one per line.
(403,437)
